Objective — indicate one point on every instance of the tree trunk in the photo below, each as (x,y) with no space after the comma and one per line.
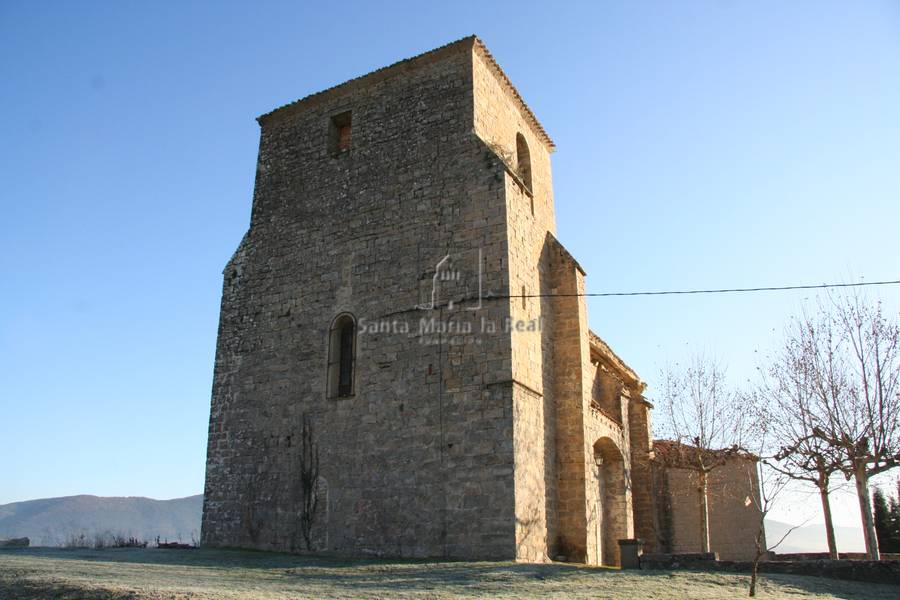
(865,510)
(753,577)
(826,510)
(754,573)
(704,511)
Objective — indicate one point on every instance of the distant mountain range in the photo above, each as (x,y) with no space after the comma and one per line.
(51,521)
(811,538)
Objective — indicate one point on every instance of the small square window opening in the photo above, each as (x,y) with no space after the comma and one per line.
(339,133)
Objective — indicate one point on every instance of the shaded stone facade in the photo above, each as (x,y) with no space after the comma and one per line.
(732,495)
(401,289)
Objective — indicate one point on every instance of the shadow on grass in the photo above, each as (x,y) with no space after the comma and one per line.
(27,590)
(256,559)
(356,573)
(408,575)
(788,584)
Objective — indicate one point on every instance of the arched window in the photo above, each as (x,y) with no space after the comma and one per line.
(341,355)
(523,160)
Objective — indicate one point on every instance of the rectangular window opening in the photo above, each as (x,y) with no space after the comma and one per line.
(339,130)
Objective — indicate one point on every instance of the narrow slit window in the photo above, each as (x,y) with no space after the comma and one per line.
(341,356)
(339,133)
(345,376)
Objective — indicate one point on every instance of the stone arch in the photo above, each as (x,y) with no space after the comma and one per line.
(611,522)
(523,160)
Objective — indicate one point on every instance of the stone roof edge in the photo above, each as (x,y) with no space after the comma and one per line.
(469,42)
(565,252)
(603,349)
(368,78)
(504,79)
(678,453)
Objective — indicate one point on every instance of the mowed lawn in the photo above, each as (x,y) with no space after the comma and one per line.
(214,574)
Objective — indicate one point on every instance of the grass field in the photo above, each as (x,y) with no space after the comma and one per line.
(214,574)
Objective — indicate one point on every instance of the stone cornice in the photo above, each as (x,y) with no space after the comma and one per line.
(483,51)
(601,351)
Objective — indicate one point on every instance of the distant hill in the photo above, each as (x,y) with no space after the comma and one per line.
(811,538)
(50,521)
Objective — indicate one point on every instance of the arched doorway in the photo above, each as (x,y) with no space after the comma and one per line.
(611,511)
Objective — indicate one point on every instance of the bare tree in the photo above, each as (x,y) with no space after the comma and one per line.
(767,477)
(703,415)
(763,492)
(309,479)
(857,353)
(788,389)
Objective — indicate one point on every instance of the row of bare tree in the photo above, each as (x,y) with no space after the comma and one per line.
(834,389)
(827,402)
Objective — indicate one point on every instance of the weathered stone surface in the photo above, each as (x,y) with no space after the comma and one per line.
(734,517)
(481,418)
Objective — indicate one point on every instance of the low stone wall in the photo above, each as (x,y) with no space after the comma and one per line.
(824,556)
(883,571)
(682,560)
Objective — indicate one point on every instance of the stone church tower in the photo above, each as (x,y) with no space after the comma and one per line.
(395,291)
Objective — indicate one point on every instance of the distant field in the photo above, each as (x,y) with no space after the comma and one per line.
(214,574)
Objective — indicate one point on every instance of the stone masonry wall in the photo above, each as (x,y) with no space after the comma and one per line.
(498,119)
(420,461)
(470,431)
(579,426)
(733,523)
(569,319)
(642,497)
(619,518)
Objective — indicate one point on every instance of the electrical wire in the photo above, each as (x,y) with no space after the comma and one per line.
(711,291)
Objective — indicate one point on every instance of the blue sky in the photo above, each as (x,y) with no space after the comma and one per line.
(700,144)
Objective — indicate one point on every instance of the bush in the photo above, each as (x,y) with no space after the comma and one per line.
(103,540)
(76,540)
(120,541)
